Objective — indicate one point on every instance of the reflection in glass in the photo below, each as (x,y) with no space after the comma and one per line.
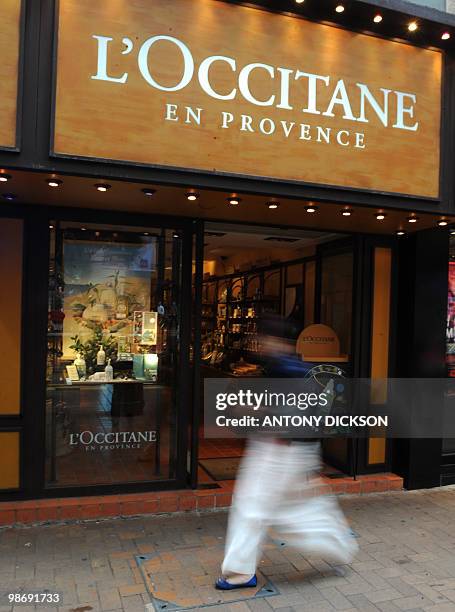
(253,287)
(272,285)
(290,300)
(336,296)
(294,274)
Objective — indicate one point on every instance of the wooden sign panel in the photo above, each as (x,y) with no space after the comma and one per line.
(207,85)
(9,70)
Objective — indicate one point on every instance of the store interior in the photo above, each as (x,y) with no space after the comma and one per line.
(251,271)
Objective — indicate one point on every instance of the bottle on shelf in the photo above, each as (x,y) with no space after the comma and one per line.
(101,357)
(109,372)
(81,366)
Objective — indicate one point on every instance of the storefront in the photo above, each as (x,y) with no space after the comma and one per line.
(170,170)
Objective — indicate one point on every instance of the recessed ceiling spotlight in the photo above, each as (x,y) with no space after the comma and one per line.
(299,1)
(175,235)
(273,205)
(413,26)
(346,212)
(4,178)
(53,182)
(377,18)
(51,227)
(445,36)
(192,196)
(83,229)
(452,233)
(234,201)
(413,219)
(311,209)
(401,232)
(146,233)
(443,222)
(103,187)
(380,216)
(9,196)
(149,192)
(339,8)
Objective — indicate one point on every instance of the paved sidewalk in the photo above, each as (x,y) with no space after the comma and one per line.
(406,562)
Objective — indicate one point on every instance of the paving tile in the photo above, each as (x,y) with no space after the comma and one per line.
(360,602)
(134,589)
(133,603)
(417,601)
(382,595)
(109,598)
(388,606)
(337,599)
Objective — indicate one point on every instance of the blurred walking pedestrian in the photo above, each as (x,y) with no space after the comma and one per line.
(273,486)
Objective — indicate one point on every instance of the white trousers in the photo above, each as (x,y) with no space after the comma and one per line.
(272,489)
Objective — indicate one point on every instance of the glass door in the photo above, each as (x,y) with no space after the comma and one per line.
(114,355)
(335,310)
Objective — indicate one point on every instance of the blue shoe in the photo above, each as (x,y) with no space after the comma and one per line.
(223,585)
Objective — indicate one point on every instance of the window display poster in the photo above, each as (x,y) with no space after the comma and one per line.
(149,328)
(105,283)
(451,321)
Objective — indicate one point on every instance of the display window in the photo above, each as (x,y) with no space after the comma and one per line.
(112,354)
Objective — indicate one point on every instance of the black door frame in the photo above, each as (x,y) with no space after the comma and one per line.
(193,456)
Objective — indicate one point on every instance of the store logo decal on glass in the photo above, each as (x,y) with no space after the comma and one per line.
(119,440)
